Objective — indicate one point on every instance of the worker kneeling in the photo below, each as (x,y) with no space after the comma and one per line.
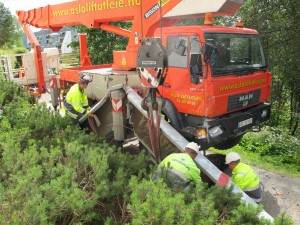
(178,170)
(76,102)
(244,176)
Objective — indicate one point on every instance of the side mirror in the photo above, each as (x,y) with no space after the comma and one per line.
(196,74)
(180,47)
(207,50)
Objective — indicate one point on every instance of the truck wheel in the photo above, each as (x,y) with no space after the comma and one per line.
(171,115)
(229,143)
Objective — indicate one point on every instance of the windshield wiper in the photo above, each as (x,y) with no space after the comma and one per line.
(250,70)
(242,71)
(221,72)
(247,70)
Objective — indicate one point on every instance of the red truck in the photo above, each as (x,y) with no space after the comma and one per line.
(217,82)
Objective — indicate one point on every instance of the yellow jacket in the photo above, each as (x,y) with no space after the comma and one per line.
(183,163)
(76,102)
(245,177)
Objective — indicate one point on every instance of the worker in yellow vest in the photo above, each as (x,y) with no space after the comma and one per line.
(76,104)
(244,176)
(179,169)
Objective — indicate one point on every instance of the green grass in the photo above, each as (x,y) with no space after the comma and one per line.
(263,162)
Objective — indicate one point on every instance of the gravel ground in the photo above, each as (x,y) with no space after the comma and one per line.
(281,194)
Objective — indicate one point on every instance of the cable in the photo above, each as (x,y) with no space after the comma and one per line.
(160,21)
(141,16)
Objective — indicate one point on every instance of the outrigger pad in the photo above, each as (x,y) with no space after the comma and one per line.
(152,62)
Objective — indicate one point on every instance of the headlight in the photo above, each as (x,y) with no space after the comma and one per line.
(201,134)
(215,131)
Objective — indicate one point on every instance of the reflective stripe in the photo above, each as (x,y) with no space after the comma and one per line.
(185,164)
(252,189)
(241,173)
(70,110)
(72,115)
(257,200)
(244,176)
(179,174)
(76,100)
(255,194)
(74,103)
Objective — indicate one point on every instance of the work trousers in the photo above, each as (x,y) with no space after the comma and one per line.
(254,193)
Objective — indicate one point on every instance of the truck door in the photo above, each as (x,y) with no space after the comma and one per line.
(196,72)
(177,77)
(182,83)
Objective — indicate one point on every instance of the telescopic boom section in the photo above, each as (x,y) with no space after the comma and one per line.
(37,58)
(146,16)
(99,14)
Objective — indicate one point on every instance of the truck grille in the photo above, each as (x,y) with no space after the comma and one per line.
(243,100)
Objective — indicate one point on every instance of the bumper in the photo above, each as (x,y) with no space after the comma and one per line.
(231,125)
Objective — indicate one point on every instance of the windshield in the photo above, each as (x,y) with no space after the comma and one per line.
(235,53)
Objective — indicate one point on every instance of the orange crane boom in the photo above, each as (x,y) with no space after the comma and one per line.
(146,16)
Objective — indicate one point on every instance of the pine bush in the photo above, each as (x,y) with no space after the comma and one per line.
(51,173)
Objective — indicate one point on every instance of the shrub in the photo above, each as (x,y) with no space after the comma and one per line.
(275,143)
(51,173)
(154,203)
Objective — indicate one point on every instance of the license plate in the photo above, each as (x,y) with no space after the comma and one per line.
(245,122)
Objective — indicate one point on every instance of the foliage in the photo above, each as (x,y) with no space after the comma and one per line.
(282,219)
(278,23)
(274,145)
(154,204)
(102,44)
(52,173)
(9,33)
(10,91)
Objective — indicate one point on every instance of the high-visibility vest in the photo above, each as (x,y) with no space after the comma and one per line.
(184,164)
(245,177)
(76,102)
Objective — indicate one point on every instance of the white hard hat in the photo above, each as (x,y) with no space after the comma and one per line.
(193,146)
(231,157)
(85,78)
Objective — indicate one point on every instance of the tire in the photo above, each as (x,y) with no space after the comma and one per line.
(229,143)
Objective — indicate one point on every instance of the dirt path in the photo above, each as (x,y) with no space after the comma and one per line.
(280,194)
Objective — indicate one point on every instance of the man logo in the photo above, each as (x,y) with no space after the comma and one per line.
(246,97)
(245,103)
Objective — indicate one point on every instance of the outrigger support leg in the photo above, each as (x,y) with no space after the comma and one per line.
(153,106)
(152,66)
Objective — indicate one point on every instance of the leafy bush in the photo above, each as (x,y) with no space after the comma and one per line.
(10,91)
(274,143)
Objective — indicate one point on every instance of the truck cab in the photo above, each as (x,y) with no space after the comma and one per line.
(217,83)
